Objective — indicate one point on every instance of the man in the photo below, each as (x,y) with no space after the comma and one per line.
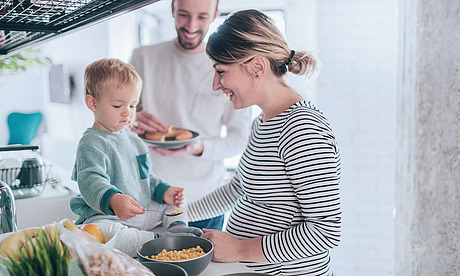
(178,91)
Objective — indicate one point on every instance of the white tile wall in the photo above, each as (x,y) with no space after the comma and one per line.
(356,91)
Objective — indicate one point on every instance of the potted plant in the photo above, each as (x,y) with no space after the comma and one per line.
(43,254)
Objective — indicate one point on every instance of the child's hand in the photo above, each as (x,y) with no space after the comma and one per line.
(124,206)
(174,196)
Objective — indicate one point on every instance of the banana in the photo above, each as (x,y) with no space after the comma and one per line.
(68,224)
(29,245)
(51,233)
(14,242)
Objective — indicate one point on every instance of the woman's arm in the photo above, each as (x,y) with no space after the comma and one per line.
(216,203)
(228,249)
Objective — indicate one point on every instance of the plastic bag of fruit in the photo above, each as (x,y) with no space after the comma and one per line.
(95,258)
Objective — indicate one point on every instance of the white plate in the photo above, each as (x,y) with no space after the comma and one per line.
(172,144)
(109,231)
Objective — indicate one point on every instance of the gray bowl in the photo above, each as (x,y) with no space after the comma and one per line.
(192,266)
(165,269)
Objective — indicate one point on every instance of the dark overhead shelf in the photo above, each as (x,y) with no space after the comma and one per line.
(27,22)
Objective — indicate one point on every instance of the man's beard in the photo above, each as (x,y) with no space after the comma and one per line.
(186,45)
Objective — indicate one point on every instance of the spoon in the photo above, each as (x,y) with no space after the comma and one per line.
(172,214)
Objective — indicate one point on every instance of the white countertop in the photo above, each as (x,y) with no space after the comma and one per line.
(214,269)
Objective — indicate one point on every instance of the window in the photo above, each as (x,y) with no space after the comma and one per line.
(276,15)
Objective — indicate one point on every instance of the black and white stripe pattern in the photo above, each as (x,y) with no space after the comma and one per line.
(286,189)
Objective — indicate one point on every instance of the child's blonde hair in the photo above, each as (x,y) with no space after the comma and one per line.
(110,71)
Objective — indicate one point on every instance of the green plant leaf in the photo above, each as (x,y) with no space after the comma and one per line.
(11,64)
(48,257)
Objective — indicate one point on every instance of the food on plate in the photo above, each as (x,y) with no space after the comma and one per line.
(95,231)
(171,134)
(88,228)
(174,255)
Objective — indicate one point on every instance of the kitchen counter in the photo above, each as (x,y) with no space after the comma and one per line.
(51,205)
(214,269)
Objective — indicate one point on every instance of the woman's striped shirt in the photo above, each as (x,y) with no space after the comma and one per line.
(285,189)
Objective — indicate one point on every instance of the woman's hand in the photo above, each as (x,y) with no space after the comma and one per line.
(228,249)
(174,196)
(146,121)
(195,148)
(124,206)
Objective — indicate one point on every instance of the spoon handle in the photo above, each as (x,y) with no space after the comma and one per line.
(168,214)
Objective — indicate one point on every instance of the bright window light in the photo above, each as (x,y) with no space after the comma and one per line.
(276,15)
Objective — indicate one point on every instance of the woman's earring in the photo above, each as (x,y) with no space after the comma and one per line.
(257,75)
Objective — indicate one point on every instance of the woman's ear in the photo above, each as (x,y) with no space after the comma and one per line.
(90,102)
(258,66)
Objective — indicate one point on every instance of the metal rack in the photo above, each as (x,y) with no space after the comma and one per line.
(26,22)
(26,180)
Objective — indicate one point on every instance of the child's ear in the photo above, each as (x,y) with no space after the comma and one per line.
(90,102)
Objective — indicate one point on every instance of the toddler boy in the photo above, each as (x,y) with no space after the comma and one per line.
(112,166)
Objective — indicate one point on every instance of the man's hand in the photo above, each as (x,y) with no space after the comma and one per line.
(146,121)
(124,206)
(195,148)
(174,196)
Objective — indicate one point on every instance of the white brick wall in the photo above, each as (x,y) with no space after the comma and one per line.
(356,43)
(356,91)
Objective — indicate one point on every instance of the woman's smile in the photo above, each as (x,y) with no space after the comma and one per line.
(229,94)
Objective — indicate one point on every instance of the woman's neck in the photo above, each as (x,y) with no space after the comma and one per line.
(277,101)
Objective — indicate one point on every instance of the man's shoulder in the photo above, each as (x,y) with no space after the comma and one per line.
(154,48)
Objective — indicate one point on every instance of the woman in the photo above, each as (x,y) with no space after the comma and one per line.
(285,194)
